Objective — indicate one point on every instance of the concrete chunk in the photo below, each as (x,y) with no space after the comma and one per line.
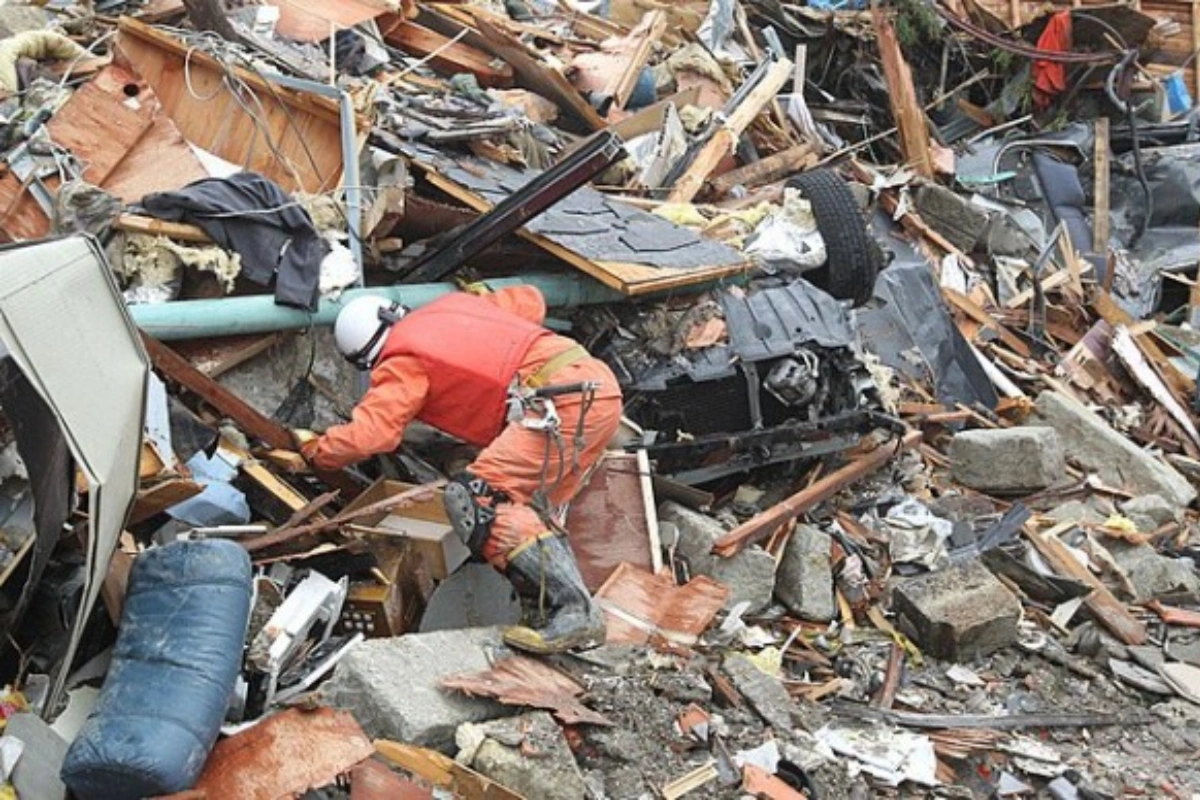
(391,686)
(1149,512)
(749,575)
(1153,575)
(805,580)
(958,613)
(765,693)
(527,754)
(1008,460)
(1089,440)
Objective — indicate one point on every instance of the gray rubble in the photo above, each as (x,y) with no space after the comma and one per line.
(391,686)
(1090,441)
(958,613)
(527,754)
(804,582)
(1008,460)
(749,575)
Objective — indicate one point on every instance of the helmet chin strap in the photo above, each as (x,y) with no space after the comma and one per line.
(388,316)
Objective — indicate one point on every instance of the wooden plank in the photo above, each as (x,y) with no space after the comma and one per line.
(1196,48)
(162,496)
(534,75)
(317,20)
(650,119)
(294,137)
(725,139)
(645,35)
(451,57)
(1109,610)
(761,525)
(180,231)
(977,313)
(254,423)
(1101,190)
(214,357)
(161,161)
(910,119)
(767,170)
(443,772)
(103,120)
(1183,386)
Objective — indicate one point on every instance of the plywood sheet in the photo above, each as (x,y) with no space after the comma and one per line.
(610,521)
(315,20)
(295,140)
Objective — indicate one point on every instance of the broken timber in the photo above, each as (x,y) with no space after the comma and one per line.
(725,139)
(910,119)
(178,369)
(1109,610)
(761,525)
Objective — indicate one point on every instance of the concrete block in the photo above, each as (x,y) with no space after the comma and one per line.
(1007,460)
(1088,439)
(749,575)
(527,754)
(765,693)
(957,613)
(805,580)
(1076,511)
(391,686)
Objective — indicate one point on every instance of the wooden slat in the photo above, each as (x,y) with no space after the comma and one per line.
(910,119)
(760,525)
(1100,160)
(1109,610)
(452,57)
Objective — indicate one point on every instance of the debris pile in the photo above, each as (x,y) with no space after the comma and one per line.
(900,302)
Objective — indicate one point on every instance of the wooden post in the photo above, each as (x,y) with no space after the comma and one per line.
(1101,190)
(910,118)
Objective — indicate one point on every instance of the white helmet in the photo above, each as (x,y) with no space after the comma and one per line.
(362,326)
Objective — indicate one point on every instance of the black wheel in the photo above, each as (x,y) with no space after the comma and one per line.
(853,256)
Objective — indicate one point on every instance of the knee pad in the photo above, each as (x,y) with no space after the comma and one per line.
(470,504)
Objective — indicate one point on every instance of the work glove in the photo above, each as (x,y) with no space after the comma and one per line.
(473,287)
(306,443)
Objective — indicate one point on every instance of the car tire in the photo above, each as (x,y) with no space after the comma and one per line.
(853,256)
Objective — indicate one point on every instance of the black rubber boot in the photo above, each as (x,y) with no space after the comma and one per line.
(561,614)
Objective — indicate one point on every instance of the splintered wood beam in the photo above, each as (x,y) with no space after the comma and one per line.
(647,33)
(902,94)
(761,525)
(253,422)
(767,170)
(725,139)
(1111,612)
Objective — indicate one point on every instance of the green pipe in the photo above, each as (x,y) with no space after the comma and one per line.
(231,316)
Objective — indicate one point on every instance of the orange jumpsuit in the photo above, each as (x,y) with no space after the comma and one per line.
(514,461)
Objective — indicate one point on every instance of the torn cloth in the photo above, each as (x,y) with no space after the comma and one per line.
(254,217)
(1049,78)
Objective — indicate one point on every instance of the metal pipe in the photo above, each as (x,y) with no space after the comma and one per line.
(230,316)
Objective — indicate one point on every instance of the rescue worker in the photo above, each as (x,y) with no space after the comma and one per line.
(472,366)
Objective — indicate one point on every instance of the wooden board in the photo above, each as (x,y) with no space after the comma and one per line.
(446,55)
(534,75)
(910,119)
(296,141)
(317,20)
(161,161)
(103,120)
(285,755)
(162,496)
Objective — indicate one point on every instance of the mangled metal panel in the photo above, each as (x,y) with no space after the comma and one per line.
(64,325)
